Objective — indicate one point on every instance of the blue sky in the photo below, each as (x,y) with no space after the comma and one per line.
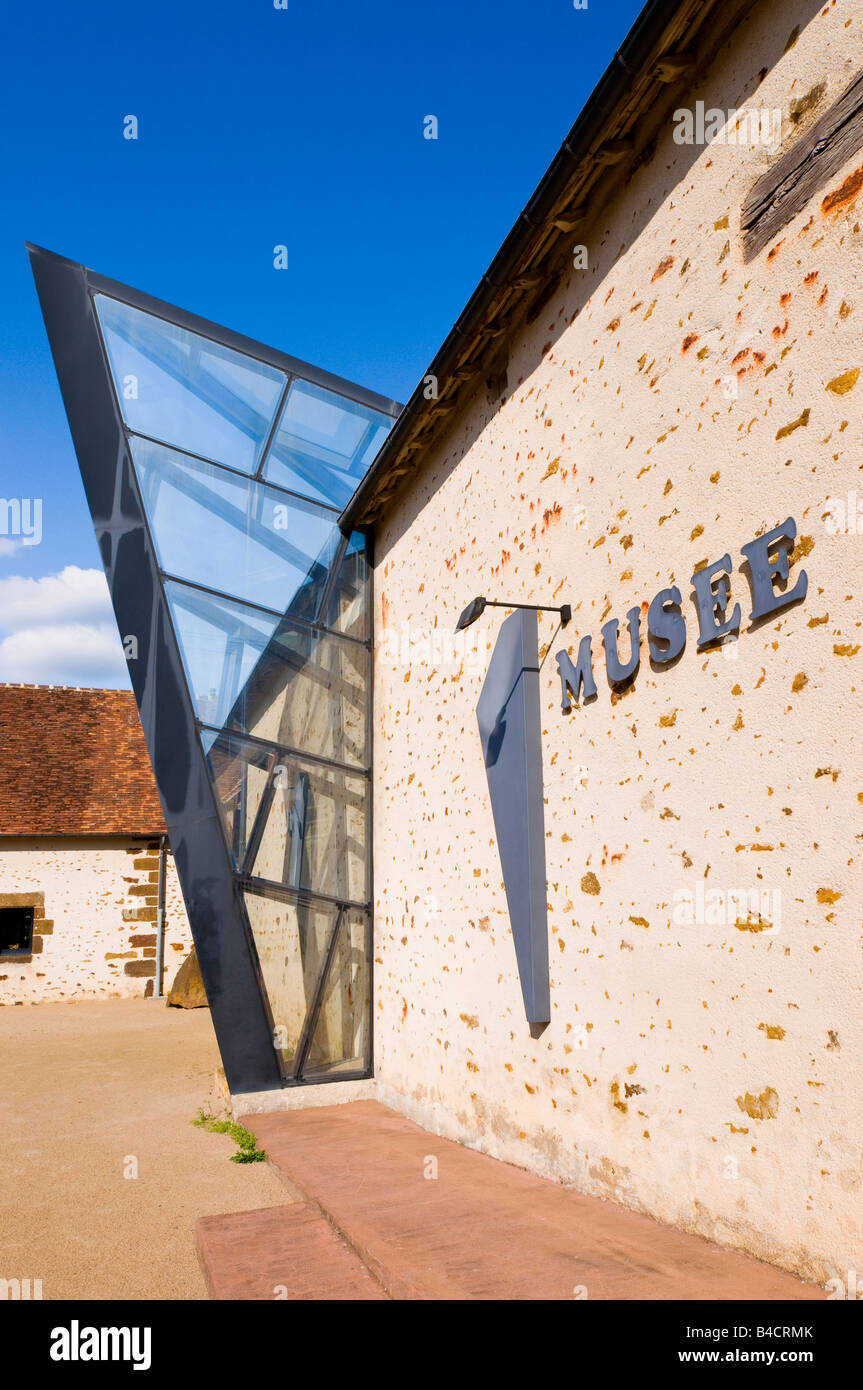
(257,127)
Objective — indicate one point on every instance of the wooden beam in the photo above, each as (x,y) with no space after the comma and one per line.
(786,188)
(673,65)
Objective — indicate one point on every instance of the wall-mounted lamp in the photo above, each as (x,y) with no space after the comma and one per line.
(477,606)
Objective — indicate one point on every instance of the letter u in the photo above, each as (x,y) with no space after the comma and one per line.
(617,672)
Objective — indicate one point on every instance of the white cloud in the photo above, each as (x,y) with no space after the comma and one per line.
(73,595)
(60,630)
(8,547)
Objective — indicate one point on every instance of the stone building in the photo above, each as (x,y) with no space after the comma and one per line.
(611,421)
(639,972)
(81,831)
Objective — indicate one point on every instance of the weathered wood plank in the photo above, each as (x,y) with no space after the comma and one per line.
(784,189)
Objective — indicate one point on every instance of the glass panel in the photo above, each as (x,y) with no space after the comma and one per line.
(242,775)
(187,390)
(314,834)
(262,675)
(299,824)
(324,443)
(340,1042)
(228,532)
(291,940)
(348,607)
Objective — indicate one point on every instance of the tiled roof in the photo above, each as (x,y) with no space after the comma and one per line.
(74,762)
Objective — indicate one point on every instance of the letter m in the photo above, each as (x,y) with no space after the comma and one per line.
(10,1288)
(115,1344)
(578,677)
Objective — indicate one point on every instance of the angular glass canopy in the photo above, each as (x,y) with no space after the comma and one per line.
(215,469)
(187,390)
(322,449)
(207,522)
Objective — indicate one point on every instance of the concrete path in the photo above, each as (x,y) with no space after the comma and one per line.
(430,1219)
(87,1087)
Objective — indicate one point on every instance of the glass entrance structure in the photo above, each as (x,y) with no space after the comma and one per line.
(215,471)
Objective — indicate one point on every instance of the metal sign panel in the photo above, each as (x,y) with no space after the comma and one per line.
(509,727)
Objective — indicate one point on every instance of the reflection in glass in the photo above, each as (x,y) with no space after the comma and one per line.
(340,1042)
(292,822)
(224,531)
(242,774)
(242,472)
(253,673)
(291,940)
(350,600)
(311,832)
(188,390)
(324,443)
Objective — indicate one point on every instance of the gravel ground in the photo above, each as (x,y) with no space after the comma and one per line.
(86,1088)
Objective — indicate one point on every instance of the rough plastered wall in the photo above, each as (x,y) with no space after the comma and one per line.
(94,931)
(709,1073)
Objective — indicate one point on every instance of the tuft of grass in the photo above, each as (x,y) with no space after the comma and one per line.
(247,1144)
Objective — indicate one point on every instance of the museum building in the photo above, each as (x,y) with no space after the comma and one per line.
(507,741)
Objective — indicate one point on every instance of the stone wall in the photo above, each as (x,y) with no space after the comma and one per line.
(95,904)
(670,403)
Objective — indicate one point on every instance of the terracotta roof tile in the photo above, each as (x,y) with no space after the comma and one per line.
(74,762)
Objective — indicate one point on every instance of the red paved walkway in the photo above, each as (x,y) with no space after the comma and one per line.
(289,1253)
(479,1229)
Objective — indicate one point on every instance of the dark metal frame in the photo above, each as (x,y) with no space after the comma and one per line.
(211,888)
